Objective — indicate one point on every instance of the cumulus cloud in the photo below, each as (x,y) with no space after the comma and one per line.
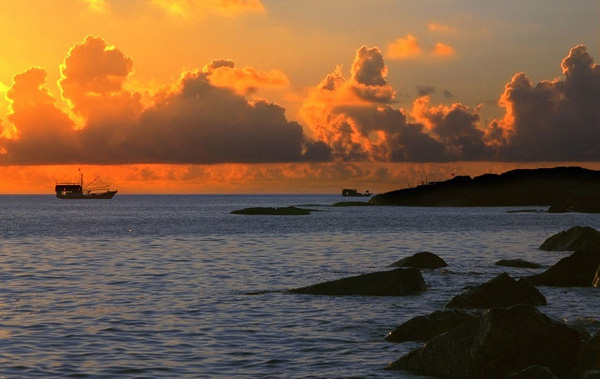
(245,81)
(408,47)
(202,123)
(442,50)
(43,132)
(206,117)
(403,48)
(194,121)
(552,120)
(358,127)
(556,120)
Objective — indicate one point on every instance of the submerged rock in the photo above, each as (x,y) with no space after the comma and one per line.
(572,239)
(501,291)
(423,259)
(577,270)
(496,344)
(517,263)
(283,211)
(424,328)
(397,282)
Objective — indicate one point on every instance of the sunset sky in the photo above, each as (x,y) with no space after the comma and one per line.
(277,96)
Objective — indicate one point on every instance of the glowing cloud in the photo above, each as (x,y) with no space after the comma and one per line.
(97,5)
(247,80)
(207,118)
(443,50)
(193,121)
(228,8)
(441,28)
(552,120)
(404,48)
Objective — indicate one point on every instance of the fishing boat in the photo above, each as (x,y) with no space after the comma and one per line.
(93,190)
(354,193)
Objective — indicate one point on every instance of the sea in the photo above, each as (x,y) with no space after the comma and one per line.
(174,286)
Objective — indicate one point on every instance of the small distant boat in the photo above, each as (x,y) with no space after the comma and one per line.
(348,192)
(69,190)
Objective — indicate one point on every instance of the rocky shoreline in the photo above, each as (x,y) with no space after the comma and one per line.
(495,329)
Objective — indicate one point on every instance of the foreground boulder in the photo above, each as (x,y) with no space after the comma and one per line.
(424,328)
(577,270)
(501,291)
(398,282)
(424,259)
(496,344)
(533,372)
(283,211)
(572,239)
(517,263)
(590,355)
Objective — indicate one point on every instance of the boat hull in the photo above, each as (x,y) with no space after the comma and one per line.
(90,196)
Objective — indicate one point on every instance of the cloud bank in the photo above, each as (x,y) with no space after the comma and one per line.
(211,116)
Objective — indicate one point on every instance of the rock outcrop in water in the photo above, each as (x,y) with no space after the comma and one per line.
(576,186)
(572,239)
(517,263)
(423,259)
(269,211)
(501,291)
(577,270)
(580,269)
(398,282)
(424,328)
(496,344)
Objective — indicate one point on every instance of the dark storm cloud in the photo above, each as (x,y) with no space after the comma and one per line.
(552,120)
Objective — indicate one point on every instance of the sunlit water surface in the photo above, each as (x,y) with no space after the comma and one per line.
(156,286)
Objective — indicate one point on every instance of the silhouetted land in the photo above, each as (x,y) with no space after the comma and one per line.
(563,188)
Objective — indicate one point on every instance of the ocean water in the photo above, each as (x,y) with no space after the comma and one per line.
(157,286)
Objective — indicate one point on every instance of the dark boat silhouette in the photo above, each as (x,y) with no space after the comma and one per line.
(349,192)
(69,190)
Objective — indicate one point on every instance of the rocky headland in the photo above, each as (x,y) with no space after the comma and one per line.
(564,189)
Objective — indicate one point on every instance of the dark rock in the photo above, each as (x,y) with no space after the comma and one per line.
(537,187)
(517,263)
(592,374)
(501,291)
(559,208)
(590,355)
(424,259)
(596,282)
(283,211)
(424,328)
(496,344)
(572,239)
(533,372)
(398,282)
(577,270)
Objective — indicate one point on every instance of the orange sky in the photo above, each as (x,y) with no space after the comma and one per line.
(249,96)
